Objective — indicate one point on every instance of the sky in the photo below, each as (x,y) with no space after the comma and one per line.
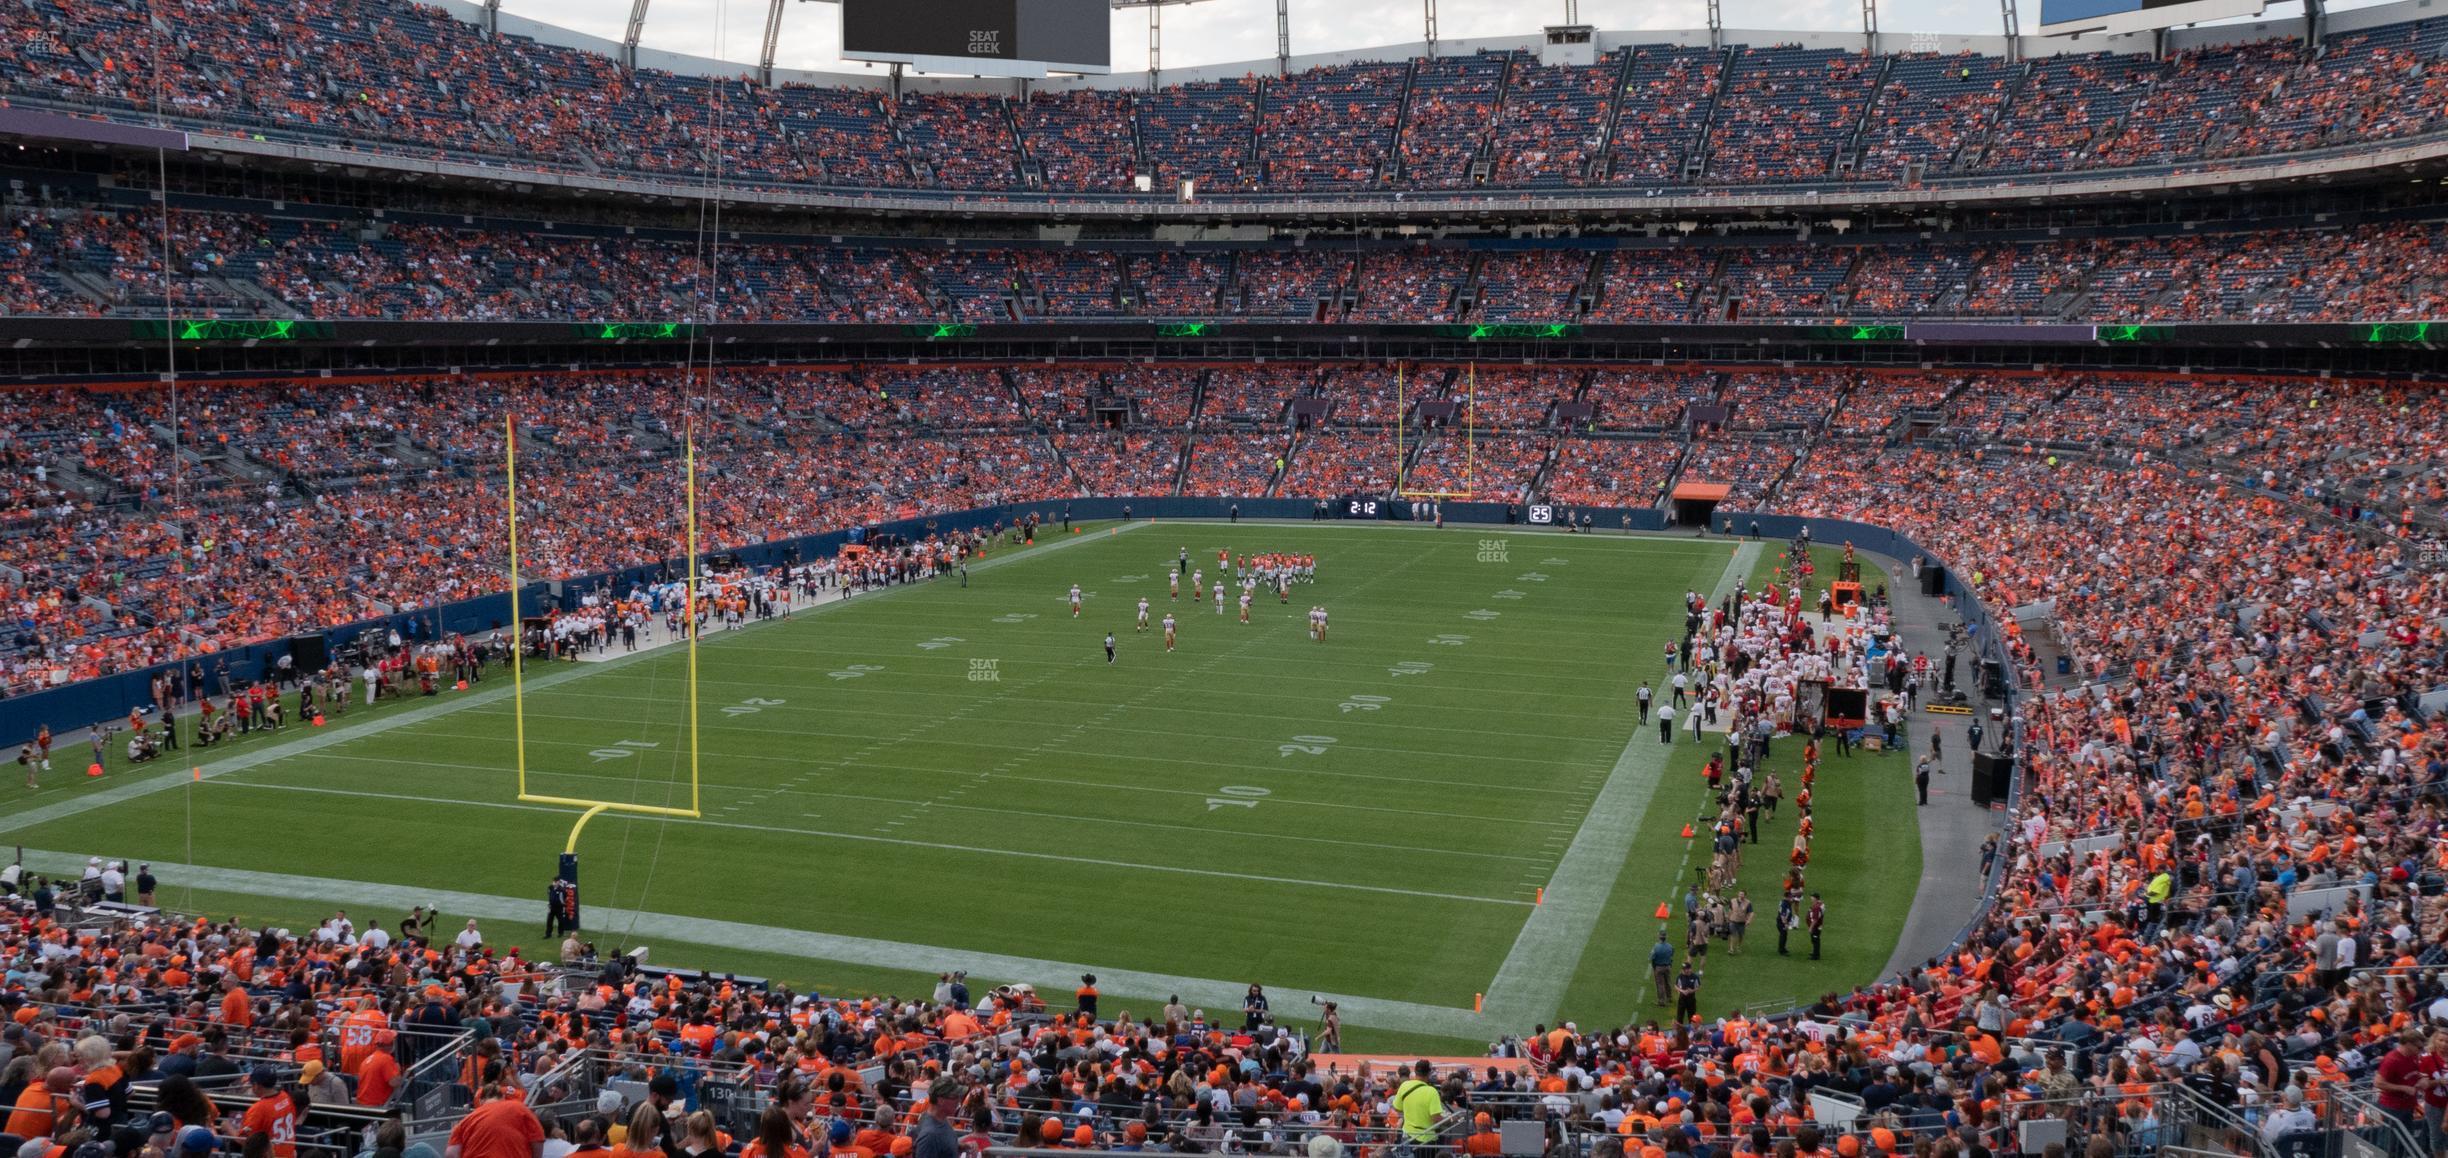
(1221,31)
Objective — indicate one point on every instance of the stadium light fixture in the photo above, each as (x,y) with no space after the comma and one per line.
(1283,37)
(637,28)
(773,37)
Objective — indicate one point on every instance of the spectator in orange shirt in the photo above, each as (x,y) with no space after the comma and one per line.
(364,1034)
(236,1009)
(274,1115)
(38,1105)
(499,1127)
(1483,1142)
(377,1079)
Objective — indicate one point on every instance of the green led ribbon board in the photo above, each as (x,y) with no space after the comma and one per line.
(233,330)
(2383,332)
(2131,333)
(1511,331)
(638,331)
(942,331)
(1857,333)
(1186,330)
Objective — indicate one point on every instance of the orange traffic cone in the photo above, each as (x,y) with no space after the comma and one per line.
(1687,830)
(93,769)
(461,686)
(318,720)
(1663,911)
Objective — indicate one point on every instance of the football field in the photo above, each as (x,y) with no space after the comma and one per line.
(1447,801)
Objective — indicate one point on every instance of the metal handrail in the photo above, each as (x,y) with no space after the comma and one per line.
(2351,1109)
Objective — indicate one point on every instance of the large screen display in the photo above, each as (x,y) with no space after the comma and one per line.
(2108,17)
(986,37)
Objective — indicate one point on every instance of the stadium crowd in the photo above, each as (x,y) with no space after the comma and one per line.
(2222,873)
(81,262)
(304,504)
(2256,741)
(2163,956)
(1638,116)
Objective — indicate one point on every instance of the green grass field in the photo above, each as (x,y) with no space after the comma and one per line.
(936,777)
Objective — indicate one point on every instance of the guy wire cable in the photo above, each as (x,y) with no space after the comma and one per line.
(708,296)
(178,469)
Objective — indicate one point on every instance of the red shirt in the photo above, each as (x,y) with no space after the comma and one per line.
(2402,1068)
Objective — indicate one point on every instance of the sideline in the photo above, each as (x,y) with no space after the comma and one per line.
(501,690)
(519,912)
(1530,985)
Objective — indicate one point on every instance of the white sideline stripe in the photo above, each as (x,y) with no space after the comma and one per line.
(1745,558)
(1405,1016)
(136,789)
(925,844)
(1529,986)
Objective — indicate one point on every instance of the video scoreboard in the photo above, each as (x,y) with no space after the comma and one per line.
(2110,17)
(1011,38)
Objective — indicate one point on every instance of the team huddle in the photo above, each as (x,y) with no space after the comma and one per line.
(1241,576)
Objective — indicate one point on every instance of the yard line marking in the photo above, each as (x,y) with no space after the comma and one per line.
(1078,730)
(313,742)
(1436,696)
(1377,1013)
(1251,769)
(1545,670)
(1529,987)
(927,844)
(1270,800)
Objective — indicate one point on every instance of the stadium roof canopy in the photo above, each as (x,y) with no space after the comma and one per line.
(2326,17)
